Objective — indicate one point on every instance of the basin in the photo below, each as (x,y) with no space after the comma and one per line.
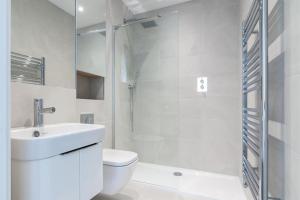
(61,162)
(53,140)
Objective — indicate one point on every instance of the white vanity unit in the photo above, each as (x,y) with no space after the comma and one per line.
(63,163)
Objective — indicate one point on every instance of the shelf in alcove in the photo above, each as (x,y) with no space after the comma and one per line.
(89,86)
(87,74)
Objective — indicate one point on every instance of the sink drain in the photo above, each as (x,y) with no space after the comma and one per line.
(177,174)
(36,134)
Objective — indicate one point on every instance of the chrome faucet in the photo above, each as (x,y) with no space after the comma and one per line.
(39,111)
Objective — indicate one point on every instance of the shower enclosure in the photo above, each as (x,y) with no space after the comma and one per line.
(160,111)
(176,90)
(146,84)
(177,96)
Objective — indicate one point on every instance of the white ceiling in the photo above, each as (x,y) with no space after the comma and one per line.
(94,10)
(66,5)
(140,6)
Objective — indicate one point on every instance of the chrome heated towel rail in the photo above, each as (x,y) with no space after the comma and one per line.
(27,69)
(255,100)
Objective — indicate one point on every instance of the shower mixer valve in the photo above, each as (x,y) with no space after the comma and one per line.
(202,84)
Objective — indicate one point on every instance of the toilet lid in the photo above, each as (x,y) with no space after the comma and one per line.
(118,158)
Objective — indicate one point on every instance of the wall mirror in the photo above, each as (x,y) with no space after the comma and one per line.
(43,42)
(91,43)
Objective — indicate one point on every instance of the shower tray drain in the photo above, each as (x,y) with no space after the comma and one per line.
(177,174)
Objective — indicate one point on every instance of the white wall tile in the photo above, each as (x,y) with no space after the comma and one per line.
(292,175)
(203,42)
(41,29)
(64,100)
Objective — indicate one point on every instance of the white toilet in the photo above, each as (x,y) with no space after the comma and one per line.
(118,167)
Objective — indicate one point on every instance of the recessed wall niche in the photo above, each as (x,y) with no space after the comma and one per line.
(90,86)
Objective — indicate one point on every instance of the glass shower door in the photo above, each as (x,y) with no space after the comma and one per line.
(146,89)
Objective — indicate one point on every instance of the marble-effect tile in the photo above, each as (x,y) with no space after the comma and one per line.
(197,39)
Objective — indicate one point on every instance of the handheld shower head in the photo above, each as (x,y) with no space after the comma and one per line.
(131,84)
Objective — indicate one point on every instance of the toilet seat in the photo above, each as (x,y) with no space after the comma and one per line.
(118,158)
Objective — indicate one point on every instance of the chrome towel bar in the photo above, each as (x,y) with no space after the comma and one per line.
(255,100)
(27,69)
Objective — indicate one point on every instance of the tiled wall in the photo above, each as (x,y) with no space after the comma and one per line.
(41,29)
(175,125)
(209,125)
(292,99)
(98,108)
(68,108)
(22,95)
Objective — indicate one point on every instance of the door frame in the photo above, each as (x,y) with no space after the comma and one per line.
(5,150)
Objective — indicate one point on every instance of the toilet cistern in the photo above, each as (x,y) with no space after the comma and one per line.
(39,111)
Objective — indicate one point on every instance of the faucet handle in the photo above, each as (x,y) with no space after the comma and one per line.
(38,102)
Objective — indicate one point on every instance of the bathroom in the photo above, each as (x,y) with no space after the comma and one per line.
(141,99)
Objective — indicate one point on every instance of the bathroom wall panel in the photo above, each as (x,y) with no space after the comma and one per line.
(41,29)
(98,108)
(172,120)
(22,96)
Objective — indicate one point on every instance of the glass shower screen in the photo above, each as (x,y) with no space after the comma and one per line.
(146,88)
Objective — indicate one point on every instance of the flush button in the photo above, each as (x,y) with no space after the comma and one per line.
(87,118)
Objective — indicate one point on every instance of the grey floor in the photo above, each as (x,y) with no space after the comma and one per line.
(141,191)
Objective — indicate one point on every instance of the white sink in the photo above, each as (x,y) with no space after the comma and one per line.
(53,140)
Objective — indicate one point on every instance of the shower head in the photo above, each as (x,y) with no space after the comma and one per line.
(149,24)
(131,84)
(143,21)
